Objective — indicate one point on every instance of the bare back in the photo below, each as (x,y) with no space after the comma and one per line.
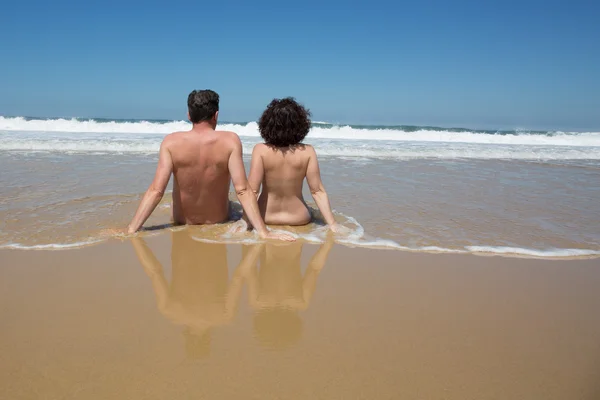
(281,173)
(201,175)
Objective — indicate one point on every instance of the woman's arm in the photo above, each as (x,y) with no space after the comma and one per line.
(313,177)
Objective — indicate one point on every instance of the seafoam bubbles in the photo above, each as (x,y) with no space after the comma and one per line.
(354,236)
(544,253)
(53,246)
(351,234)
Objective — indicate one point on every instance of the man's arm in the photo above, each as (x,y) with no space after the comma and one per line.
(257,170)
(246,196)
(255,177)
(313,177)
(156,190)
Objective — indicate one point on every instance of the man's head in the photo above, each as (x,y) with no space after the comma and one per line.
(284,123)
(203,106)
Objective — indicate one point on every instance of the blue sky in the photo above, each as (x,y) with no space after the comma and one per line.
(501,64)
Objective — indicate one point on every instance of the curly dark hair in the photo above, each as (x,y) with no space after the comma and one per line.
(202,105)
(284,123)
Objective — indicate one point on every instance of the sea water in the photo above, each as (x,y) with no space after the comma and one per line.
(512,192)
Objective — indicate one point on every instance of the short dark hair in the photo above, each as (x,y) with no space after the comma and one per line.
(284,123)
(202,105)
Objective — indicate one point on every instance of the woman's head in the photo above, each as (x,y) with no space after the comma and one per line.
(284,123)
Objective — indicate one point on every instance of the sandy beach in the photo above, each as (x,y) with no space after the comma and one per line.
(167,316)
(438,165)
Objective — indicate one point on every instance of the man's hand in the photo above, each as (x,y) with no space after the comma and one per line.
(286,237)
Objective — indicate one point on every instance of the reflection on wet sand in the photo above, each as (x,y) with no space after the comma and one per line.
(277,290)
(201,296)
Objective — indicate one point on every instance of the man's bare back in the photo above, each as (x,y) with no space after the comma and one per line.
(203,162)
(201,175)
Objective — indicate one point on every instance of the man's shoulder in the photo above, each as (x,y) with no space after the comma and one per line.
(173,136)
(229,137)
(227,134)
(170,140)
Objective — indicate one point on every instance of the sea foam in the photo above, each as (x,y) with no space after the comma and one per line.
(344,132)
(143,137)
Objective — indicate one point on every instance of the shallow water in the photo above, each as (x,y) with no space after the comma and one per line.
(536,208)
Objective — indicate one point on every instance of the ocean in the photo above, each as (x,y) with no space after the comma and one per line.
(412,188)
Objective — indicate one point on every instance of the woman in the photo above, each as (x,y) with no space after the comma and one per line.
(281,164)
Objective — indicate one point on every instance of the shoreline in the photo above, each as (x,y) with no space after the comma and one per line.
(387,245)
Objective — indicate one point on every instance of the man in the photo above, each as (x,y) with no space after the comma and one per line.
(203,162)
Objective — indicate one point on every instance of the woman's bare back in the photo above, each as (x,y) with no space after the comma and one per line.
(281,172)
(281,164)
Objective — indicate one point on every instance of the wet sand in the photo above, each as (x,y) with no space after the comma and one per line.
(167,317)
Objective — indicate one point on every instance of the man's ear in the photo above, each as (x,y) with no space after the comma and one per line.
(216,117)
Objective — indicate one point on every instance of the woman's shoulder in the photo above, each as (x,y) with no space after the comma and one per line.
(259,148)
(308,148)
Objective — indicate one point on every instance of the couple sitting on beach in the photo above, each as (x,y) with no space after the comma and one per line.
(204,161)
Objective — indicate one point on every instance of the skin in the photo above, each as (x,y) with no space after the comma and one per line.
(203,162)
(281,173)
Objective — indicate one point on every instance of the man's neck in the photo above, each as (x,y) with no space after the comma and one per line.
(204,126)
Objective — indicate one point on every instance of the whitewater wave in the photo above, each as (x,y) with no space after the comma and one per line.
(358,149)
(346,132)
